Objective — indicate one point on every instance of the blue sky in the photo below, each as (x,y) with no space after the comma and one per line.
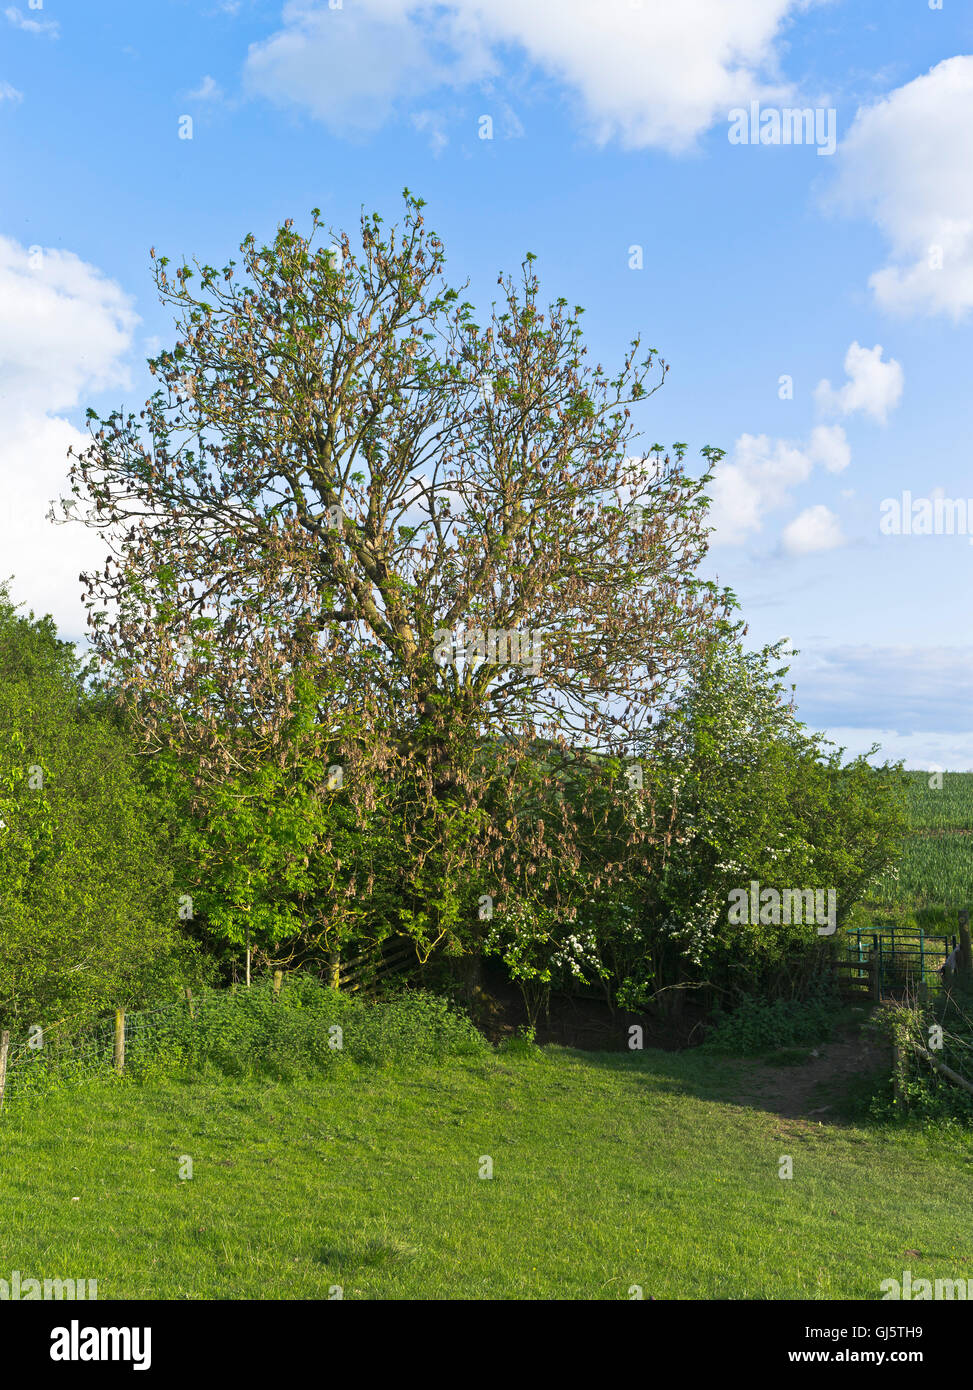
(610,157)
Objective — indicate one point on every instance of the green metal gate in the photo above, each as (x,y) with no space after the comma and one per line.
(906,956)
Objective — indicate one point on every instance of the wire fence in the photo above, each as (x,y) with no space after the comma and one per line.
(70,1050)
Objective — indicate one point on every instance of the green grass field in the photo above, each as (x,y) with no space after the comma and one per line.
(608,1171)
(656,1170)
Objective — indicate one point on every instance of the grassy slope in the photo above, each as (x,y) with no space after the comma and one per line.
(609,1171)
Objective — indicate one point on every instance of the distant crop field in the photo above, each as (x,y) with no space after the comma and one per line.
(936,869)
(949,807)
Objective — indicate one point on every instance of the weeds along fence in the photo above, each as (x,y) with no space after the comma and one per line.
(925,1042)
(934,1033)
(67,1052)
(28,1066)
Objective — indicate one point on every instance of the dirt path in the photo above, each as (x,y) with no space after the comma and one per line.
(814,1089)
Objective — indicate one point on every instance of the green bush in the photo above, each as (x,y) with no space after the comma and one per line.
(762,1025)
(745,792)
(305,1031)
(89,908)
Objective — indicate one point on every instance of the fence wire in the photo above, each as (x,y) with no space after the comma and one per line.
(69,1053)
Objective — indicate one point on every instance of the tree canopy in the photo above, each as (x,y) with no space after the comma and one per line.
(446,529)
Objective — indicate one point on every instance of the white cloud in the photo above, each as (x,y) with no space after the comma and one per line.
(762,473)
(930,751)
(873,387)
(758,479)
(348,67)
(646,74)
(64,332)
(829,446)
(9,93)
(208,90)
(918,695)
(814,529)
(431,124)
(905,163)
(19,20)
(63,328)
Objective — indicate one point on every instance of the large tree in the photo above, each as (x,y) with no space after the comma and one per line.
(445,526)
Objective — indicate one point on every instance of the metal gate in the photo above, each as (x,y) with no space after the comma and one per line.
(906,956)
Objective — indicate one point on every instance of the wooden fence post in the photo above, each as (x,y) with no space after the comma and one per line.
(278,981)
(4,1049)
(334,964)
(119,1057)
(189,1001)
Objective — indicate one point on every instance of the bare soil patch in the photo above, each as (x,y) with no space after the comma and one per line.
(815,1089)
